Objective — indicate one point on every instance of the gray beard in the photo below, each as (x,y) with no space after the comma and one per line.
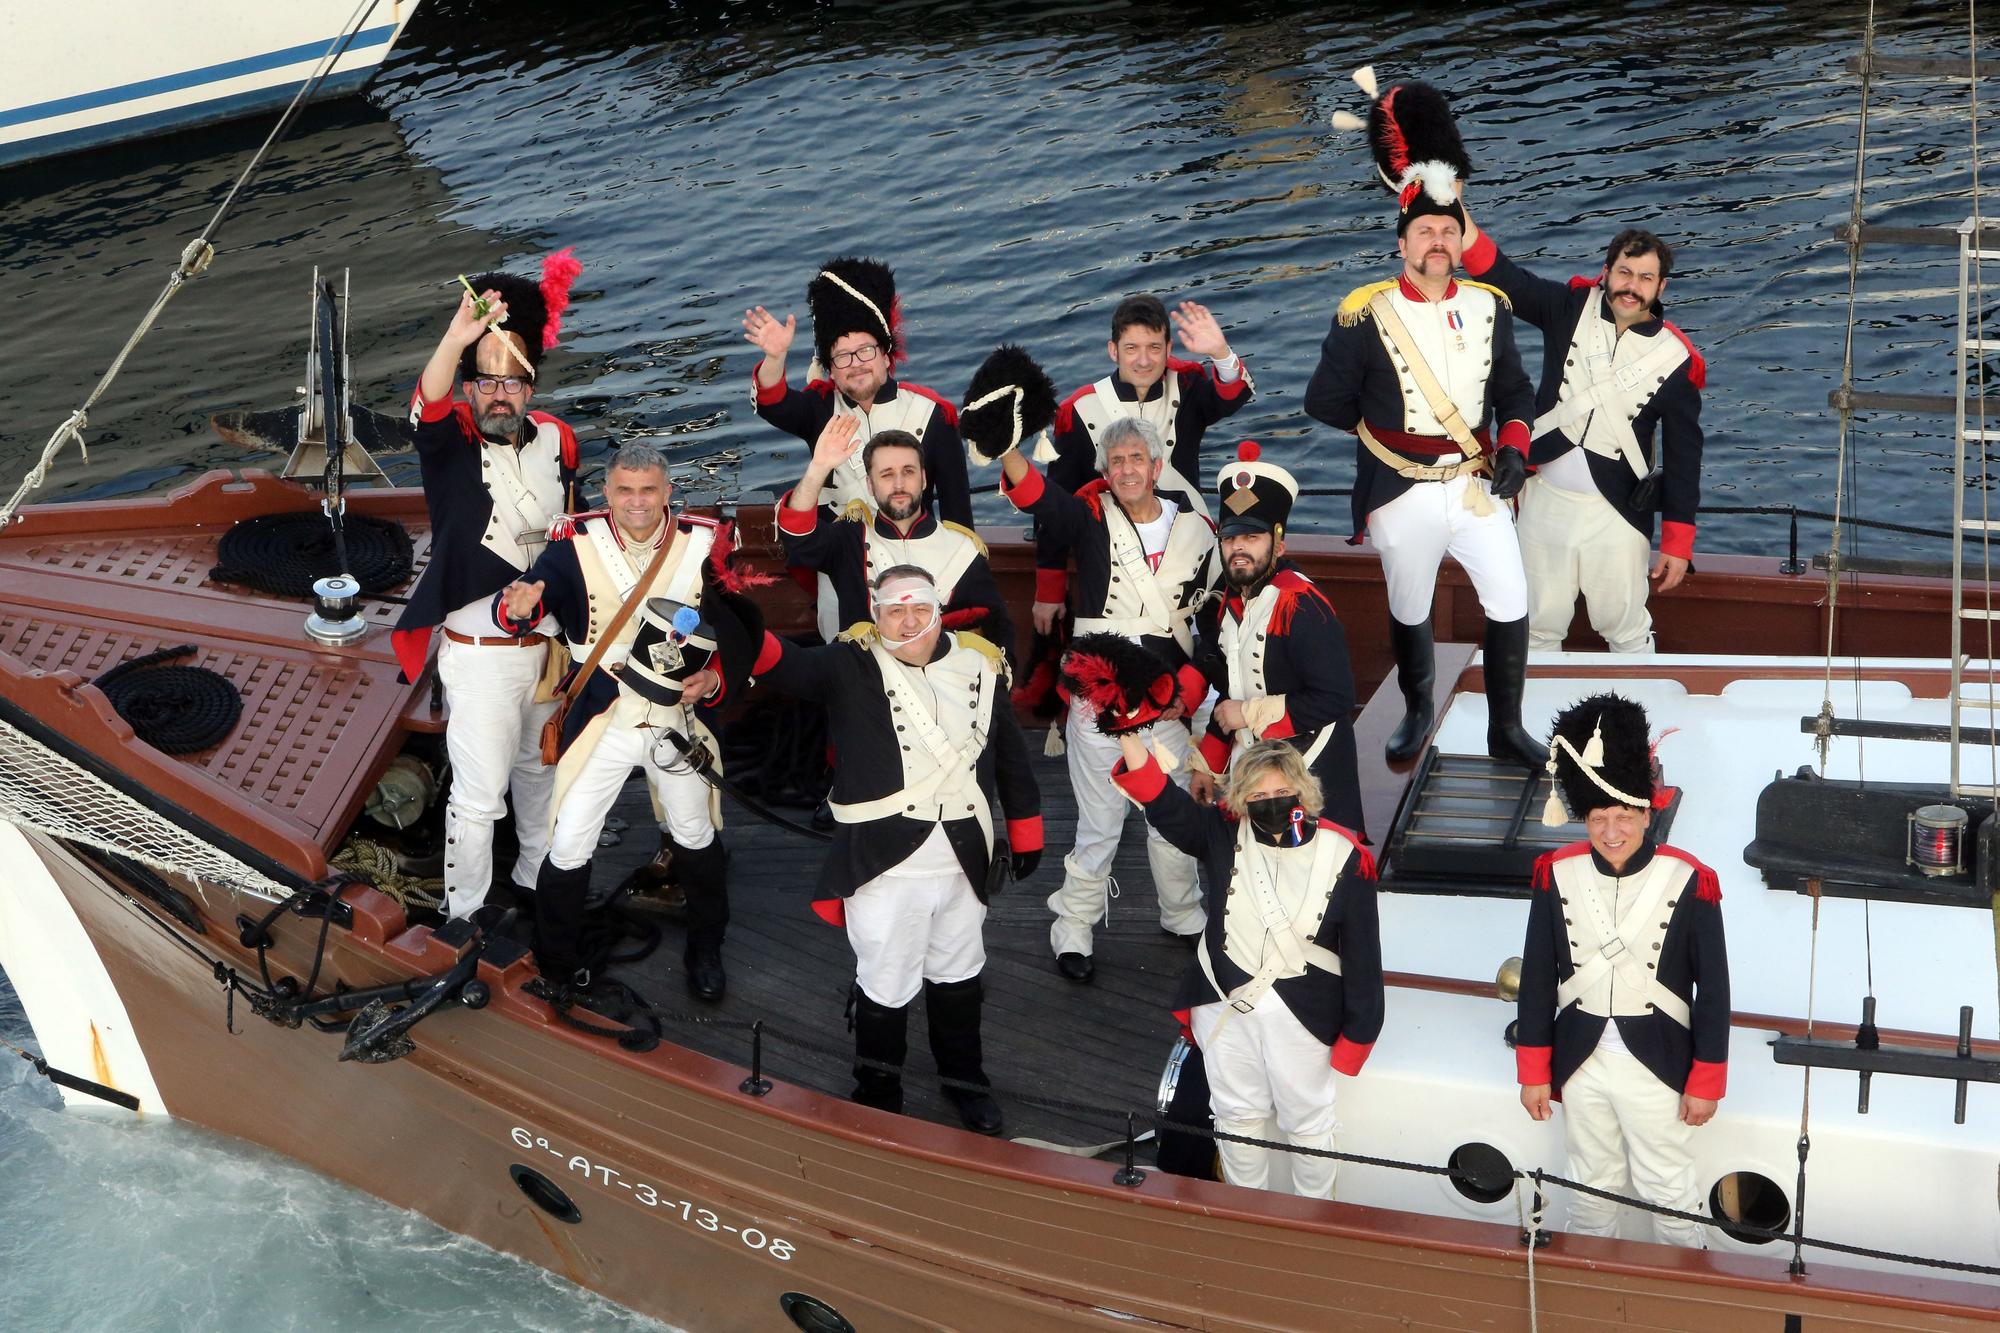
(505,428)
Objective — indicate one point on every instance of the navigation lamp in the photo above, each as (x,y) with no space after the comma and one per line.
(1937,840)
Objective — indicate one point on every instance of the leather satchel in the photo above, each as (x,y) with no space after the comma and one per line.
(552,729)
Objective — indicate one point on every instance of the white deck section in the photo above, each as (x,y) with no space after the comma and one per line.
(1928,960)
(1902,1178)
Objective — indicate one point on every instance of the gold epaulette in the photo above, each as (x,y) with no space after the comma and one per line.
(861,632)
(988,649)
(1498,295)
(962,530)
(1355,306)
(857,511)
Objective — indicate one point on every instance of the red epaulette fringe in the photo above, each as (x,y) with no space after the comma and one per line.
(1545,870)
(1293,591)
(724,567)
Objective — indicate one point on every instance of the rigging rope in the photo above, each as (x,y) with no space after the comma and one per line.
(195,259)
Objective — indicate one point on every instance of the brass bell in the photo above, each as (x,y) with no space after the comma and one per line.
(1507,981)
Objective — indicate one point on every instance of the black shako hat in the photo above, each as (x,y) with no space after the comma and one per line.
(1418,152)
(1009,400)
(1256,496)
(854,295)
(534,311)
(1126,684)
(1600,755)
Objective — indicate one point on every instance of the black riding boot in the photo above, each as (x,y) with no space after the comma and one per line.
(704,877)
(881,1034)
(1506,675)
(559,896)
(1416,673)
(952,1008)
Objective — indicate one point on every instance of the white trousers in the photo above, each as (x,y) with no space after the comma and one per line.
(1575,543)
(1416,530)
(1265,1066)
(909,929)
(1101,809)
(494,741)
(677,789)
(1623,1131)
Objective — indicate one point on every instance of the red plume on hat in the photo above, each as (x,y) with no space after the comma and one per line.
(559,273)
(1126,684)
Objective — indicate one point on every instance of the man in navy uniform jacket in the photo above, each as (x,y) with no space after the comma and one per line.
(495,475)
(928,743)
(1624,1008)
(582,579)
(1616,377)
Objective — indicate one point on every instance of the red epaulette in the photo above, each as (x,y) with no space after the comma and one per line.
(565,435)
(721,557)
(945,405)
(1092,494)
(1294,588)
(1579,282)
(1180,367)
(1364,861)
(1066,414)
(1697,367)
(565,526)
(1707,886)
(824,388)
(1545,864)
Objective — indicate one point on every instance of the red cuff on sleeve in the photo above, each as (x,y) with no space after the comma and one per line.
(1025,835)
(1229,389)
(1215,752)
(798,522)
(1479,256)
(767,394)
(1514,435)
(1349,1056)
(428,411)
(1143,784)
(1707,1080)
(767,656)
(510,625)
(1052,585)
(1027,491)
(1193,687)
(1281,729)
(1677,539)
(833,911)
(1531,1065)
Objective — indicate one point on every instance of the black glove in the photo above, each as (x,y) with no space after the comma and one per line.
(1645,496)
(1023,863)
(1510,473)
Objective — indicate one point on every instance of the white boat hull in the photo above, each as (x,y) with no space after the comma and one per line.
(95,72)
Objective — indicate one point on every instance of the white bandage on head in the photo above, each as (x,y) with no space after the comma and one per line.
(907,592)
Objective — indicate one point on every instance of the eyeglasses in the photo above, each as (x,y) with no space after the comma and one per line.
(512,385)
(859,356)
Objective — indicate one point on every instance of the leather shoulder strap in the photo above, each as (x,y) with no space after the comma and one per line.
(1441,405)
(625,609)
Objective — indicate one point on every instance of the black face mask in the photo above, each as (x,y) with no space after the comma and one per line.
(1272,815)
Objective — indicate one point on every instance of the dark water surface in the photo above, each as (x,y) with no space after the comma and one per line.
(1021,166)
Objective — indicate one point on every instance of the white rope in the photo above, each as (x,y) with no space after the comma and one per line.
(195,259)
(1531,1225)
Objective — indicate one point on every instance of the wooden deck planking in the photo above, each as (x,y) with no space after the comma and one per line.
(1102,1044)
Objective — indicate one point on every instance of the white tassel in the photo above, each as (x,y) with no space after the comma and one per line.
(1045,449)
(1054,746)
(1553,813)
(1163,758)
(1593,750)
(1365,77)
(1347,120)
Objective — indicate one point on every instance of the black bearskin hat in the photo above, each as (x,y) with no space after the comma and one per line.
(1418,152)
(1009,400)
(854,295)
(527,317)
(1125,683)
(1605,735)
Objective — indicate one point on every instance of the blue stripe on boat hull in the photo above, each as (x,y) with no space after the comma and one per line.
(171,119)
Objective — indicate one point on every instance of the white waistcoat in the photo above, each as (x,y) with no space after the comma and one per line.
(1455,338)
(942,712)
(609,578)
(526,486)
(945,553)
(1141,600)
(1615,928)
(1608,379)
(1098,409)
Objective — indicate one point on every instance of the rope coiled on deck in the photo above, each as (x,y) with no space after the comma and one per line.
(282,554)
(174,709)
